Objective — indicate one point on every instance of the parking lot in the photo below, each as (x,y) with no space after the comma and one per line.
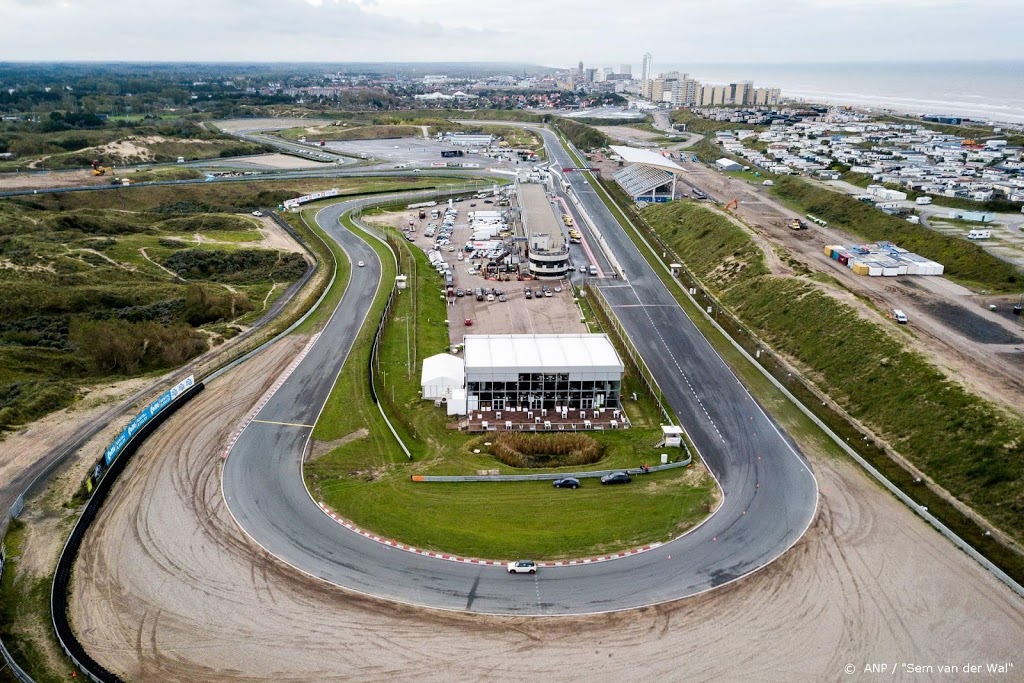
(422,153)
(504,308)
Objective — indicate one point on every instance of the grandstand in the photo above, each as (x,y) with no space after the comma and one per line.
(649,177)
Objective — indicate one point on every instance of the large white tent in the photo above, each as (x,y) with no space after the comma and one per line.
(442,374)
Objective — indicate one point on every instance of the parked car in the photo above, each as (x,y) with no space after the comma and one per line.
(566,483)
(616,478)
(538,293)
(527,294)
(459,293)
(583,269)
(522,567)
(558,288)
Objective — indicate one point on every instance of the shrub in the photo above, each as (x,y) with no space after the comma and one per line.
(517,449)
(119,346)
(240,266)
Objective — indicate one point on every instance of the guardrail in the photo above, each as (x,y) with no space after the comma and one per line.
(373,384)
(611,323)
(62,576)
(356,218)
(16,670)
(693,288)
(81,658)
(593,474)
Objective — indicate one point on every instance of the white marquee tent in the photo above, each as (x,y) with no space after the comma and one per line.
(442,374)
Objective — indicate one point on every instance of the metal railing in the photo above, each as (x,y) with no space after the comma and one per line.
(611,323)
(16,670)
(214,367)
(590,474)
(720,315)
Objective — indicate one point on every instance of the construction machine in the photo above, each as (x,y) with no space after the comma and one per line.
(797,224)
(733,204)
(98,169)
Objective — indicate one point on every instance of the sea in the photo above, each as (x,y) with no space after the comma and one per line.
(979,90)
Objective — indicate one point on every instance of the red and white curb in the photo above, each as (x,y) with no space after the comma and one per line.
(473,560)
(268,395)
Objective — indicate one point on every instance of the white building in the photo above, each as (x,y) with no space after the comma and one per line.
(470,139)
(516,373)
(442,375)
(547,252)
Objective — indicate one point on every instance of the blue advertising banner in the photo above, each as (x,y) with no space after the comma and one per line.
(140,420)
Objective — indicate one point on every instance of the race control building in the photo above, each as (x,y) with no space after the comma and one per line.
(648,177)
(547,251)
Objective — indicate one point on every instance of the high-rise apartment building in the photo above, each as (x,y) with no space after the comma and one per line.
(646,82)
(626,69)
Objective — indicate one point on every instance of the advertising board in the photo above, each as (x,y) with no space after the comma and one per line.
(140,420)
(311,197)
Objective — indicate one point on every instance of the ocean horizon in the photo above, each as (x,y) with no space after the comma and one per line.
(980,90)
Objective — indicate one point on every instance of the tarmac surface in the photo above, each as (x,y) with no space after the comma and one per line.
(770,494)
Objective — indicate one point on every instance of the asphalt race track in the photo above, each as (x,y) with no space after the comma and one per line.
(770,494)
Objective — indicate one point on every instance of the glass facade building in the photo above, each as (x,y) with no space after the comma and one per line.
(542,372)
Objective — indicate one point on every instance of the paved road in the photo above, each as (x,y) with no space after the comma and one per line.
(770,494)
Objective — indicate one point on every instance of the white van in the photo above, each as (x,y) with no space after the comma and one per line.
(979,234)
(899,316)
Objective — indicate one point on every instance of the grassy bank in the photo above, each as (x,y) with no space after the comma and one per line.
(352,132)
(970,447)
(584,137)
(966,263)
(367,478)
(115,143)
(703,126)
(795,422)
(25,625)
(94,295)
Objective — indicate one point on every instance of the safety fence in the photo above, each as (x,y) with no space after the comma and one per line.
(62,576)
(212,368)
(891,472)
(612,325)
(593,474)
(389,239)
(8,660)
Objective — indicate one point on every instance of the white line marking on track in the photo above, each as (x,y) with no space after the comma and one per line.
(268,395)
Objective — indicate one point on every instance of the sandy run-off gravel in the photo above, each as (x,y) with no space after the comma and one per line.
(167,588)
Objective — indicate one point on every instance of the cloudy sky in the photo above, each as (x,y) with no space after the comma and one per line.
(554,33)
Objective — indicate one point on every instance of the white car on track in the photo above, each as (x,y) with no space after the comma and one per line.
(522,567)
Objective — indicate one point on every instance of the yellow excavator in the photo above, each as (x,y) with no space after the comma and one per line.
(97,169)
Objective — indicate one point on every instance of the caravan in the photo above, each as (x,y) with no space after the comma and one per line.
(979,234)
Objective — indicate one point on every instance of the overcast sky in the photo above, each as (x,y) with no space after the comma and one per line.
(548,32)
